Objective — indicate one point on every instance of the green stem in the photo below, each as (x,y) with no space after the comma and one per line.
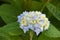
(44,4)
(31,35)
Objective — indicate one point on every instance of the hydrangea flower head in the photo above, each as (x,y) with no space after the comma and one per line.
(33,20)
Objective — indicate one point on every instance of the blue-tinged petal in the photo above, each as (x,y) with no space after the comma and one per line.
(31,27)
(41,21)
(37,31)
(25,29)
(19,18)
(37,26)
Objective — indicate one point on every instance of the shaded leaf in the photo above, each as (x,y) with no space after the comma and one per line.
(19,4)
(4,36)
(12,29)
(8,13)
(16,38)
(9,19)
(2,23)
(44,37)
(35,5)
(54,10)
(7,10)
(52,32)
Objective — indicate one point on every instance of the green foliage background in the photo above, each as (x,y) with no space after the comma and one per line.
(10,9)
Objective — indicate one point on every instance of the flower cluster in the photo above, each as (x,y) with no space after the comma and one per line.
(33,20)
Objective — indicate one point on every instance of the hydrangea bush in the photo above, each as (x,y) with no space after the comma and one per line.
(29,20)
(33,20)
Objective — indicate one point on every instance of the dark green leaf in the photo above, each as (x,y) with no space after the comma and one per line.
(54,10)
(16,38)
(19,4)
(12,29)
(9,10)
(4,36)
(8,13)
(52,32)
(9,19)
(44,37)
(36,5)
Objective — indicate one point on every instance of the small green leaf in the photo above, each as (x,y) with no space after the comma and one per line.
(12,29)
(52,32)
(54,10)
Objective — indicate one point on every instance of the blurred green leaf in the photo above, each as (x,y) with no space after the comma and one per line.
(25,36)
(4,36)
(35,5)
(2,23)
(16,38)
(8,13)
(35,37)
(9,19)
(52,32)
(54,10)
(12,29)
(44,37)
(56,3)
(19,4)
(9,10)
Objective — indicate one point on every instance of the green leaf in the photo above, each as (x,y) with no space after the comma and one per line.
(56,3)
(19,4)
(9,19)
(16,38)
(4,36)
(35,36)
(52,32)
(44,37)
(6,9)
(2,23)
(35,5)
(12,29)
(8,13)
(54,10)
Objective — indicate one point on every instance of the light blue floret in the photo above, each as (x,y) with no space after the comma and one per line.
(41,21)
(21,16)
(25,29)
(31,26)
(37,29)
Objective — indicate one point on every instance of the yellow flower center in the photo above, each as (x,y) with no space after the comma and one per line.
(24,22)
